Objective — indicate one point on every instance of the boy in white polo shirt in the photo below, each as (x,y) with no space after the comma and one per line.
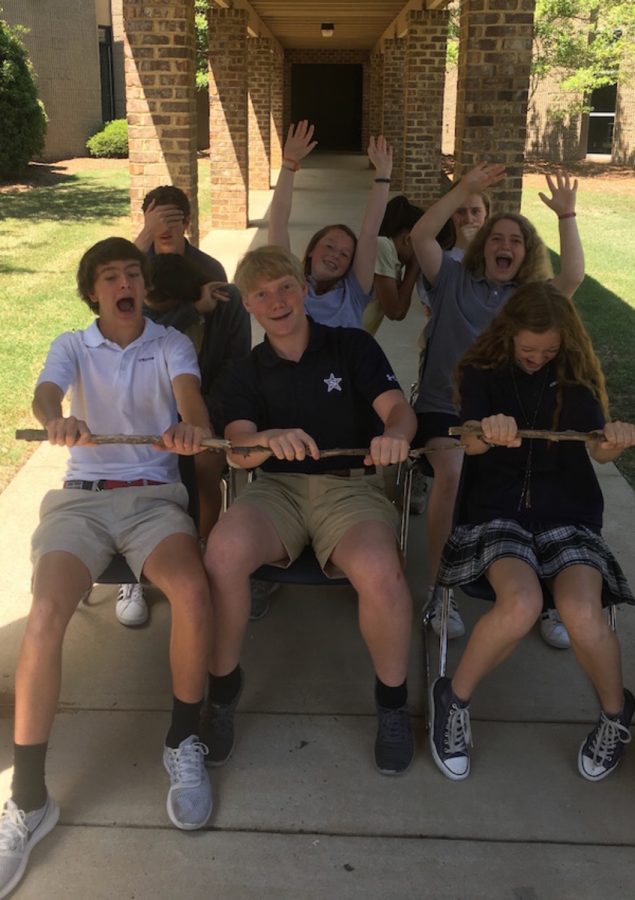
(127,375)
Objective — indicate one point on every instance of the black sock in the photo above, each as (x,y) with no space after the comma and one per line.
(185,718)
(223,689)
(391,697)
(28,790)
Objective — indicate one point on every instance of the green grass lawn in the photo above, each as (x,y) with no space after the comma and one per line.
(45,230)
(606,299)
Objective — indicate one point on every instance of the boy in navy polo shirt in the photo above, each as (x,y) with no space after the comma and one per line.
(307,388)
(127,374)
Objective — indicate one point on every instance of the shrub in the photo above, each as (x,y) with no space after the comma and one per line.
(21,112)
(112,140)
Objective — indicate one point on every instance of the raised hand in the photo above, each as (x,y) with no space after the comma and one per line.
(483,176)
(380,154)
(299,142)
(158,219)
(563,194)
(211,294)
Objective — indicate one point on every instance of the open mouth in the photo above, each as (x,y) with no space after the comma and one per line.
(503,262)
(125,304)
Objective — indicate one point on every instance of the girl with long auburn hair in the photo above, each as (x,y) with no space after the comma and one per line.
(465,295)
(530,515)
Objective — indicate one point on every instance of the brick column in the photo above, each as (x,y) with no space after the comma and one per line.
(366,77)
(228,120)
(160,65)
(424,81)
(260,63)
(624,134)
(376,109)
(393,104)
(493,84)
(277,109)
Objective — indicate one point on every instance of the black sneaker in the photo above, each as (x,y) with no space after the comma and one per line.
(216,728)
(450,735)
(261,592)
(394,745)
(604,746)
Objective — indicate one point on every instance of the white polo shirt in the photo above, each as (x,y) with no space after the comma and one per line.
(121,390)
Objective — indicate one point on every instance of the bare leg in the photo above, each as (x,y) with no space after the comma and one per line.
(243,540)
(442,497)
(175,567)
(368,556)
(495,635)
(577,595)
(60,581)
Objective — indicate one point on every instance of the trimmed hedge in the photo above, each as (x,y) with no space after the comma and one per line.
(111,141)
(22,116)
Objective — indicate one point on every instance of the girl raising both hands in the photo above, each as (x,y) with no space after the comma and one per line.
(339,265)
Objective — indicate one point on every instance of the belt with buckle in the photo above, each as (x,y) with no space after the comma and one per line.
(106,484)
(351,473)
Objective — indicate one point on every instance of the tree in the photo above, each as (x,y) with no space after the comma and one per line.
(21,112)
(587,44)
(201,25)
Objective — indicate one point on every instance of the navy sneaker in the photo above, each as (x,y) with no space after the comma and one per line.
(450,735)
(604,746)
(216,728)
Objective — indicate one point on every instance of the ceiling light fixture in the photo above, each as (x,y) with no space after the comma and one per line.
(327,29)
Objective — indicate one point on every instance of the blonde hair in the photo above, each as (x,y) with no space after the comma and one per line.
(536,266)
(539,307)
(266,264)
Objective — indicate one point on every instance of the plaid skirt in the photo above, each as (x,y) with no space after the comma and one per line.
(471,550)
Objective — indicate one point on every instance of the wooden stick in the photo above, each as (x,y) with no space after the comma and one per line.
(476,431)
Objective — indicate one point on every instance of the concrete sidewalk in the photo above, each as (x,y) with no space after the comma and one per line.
(300,812)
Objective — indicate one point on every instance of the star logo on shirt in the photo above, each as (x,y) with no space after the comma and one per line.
(333,383)
(391,377)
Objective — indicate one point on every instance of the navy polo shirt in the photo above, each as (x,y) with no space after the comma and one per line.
(564,487)
(328,393)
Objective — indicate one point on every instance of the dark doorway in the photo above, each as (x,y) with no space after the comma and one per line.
(330,96)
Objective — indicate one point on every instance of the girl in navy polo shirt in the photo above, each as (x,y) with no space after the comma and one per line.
(530,511)
(339,266)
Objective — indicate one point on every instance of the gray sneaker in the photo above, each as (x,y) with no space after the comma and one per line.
(217,728)
(189,802)
(456,628)
(19,833)
(261,592)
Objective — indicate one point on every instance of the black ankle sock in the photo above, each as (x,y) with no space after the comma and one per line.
(224,689)
(391,697)
(185,718)
(28,789)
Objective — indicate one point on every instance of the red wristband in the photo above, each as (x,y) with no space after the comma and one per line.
(570,215)
(294,163)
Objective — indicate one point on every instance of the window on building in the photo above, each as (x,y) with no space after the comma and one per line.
(602,119)
(106,73)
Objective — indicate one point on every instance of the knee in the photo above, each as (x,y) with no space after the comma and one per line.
(519,610)
(584,620)
(380,577)
(189,596)
(226,554)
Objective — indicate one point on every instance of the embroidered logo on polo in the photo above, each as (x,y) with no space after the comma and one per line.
(391,377)
(333,383)
(145,359)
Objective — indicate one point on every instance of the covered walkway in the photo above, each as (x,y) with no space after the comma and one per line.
(301,813)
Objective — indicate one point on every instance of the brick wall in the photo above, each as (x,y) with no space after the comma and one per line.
(277,108)
(228,117)
(160,61)
(259,61)
(426,42)
(624,134)
(63,47)
(393,111)
(375,100)
(493,81)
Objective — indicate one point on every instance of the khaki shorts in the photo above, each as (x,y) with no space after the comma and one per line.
(318,509)
(95,525)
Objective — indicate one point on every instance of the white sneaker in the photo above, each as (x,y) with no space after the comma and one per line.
(189,802)
(19,833)
(456,628)
(419,494)
(131,608)
(552,630)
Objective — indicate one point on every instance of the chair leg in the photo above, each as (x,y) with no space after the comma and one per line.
(427,640)
(613,617)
